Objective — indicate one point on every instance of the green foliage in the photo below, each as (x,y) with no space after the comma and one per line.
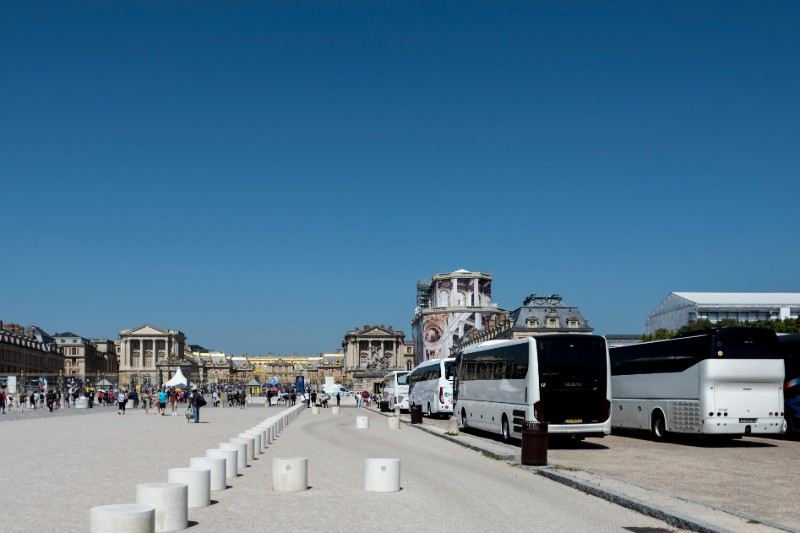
(788,325)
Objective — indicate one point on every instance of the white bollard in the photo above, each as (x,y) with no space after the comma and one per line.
(230,460)
(453,426)
(241,456)
(397,411)
(217,467)
(127,517)
(250,442)
(382,475)
(362,422)
(170,501)
(199,482)
(289,474)
(394,422)
(258,434)
(334,410)
(314,410)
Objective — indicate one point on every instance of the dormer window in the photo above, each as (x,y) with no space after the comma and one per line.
(552,322)
(572,323)
(532,322)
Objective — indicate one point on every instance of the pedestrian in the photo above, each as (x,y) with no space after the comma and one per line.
(122,398)
(173,401)
(243,399)
(338,399)
(196,401)
(314,398)
(33,400)
(3,401)
(162,401)
(293,396)
(145,399)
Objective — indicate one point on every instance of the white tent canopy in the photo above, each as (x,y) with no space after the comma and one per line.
(178,380)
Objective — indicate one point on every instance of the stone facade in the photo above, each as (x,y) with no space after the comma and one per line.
(449,307)
(149,355)
(25,356)
(539,315)
(370,352)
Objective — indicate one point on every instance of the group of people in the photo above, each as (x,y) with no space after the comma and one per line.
(51,399)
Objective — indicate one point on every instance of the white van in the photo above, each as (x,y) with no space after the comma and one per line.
(431,386)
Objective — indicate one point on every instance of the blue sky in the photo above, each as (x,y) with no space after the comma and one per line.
(264,176)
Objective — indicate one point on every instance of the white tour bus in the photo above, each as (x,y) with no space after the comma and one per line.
(430,385)
(561,379)
(395,389)
(724,381)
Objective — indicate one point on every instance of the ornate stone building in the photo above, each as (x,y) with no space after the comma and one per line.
(149,355)
(26,358)
(449,307)
(539,315)
(370,352)
(85,359)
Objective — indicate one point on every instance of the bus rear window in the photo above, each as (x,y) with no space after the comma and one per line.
(571,356)
(402,379)
(746,343)
(449,370)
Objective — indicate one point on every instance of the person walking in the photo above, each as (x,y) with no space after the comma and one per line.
(173,401)
(338,399)
(162,401)
(3,401)
(196,400)
(122,398)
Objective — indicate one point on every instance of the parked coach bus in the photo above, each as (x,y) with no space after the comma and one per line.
(562,379)
(430,385)
(395,389)
(724,381)
(790,351)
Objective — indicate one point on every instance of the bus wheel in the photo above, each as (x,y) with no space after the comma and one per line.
(505,434)
(429,410)
(659,427)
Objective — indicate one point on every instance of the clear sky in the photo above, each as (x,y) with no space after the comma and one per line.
(265,176)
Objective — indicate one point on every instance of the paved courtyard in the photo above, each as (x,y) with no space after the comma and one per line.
(55,468)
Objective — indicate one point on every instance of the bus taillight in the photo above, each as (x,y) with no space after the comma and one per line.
(607,410)
(537,412)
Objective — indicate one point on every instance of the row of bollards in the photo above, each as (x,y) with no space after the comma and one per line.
(165,506)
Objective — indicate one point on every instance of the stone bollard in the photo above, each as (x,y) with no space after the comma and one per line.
(256,436)
(397,411)
(250,442)
(382,475)
(261,439)
(230,460)
(362,422)
(199,482)
(314,410)
(217,467)
(128,517)
(289,474)
(81,403)
(170,501)
(394,422)
(335,410)
(241,456)
(453,428)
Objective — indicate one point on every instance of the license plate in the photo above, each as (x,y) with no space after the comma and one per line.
(574,421)
(748,420)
